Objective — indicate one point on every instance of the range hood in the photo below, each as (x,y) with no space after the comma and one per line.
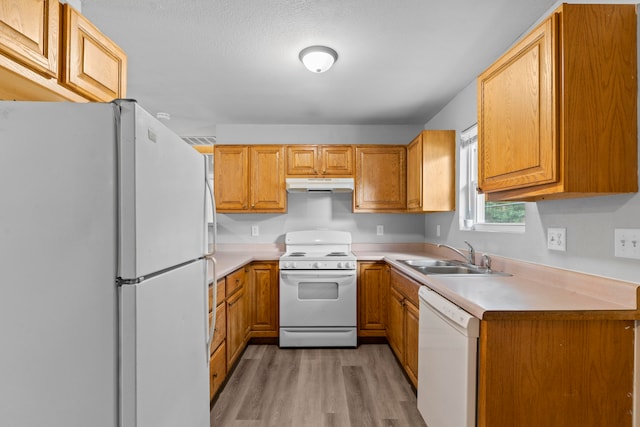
(326,185)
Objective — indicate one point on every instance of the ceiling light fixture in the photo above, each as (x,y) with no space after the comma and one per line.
(318,59)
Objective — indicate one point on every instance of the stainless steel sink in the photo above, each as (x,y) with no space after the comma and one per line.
(429,262)
(449,267)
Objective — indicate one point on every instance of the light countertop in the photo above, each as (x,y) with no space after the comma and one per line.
(532,291)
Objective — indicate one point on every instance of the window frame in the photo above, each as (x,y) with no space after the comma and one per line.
(472,203)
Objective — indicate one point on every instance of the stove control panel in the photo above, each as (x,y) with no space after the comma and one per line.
(301,264)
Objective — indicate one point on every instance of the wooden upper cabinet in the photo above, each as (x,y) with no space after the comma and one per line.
(381,178)
(319,160)
(431,168)
(267,187)
(29,34)
(94,65)
(557,113)
(231,177)
(249,179)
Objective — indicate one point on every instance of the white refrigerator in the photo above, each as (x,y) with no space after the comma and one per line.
(103,253)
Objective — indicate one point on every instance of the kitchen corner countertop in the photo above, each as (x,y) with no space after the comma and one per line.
(229,261)
(531,292)
(552,294)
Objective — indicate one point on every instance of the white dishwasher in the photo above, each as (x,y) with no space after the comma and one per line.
(447,362)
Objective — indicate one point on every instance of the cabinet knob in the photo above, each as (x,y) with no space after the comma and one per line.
(215,375)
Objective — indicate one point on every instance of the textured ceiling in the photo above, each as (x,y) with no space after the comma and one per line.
(209,62)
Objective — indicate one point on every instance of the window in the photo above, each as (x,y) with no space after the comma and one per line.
(475,212)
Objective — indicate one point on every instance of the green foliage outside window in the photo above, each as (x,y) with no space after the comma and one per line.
(504,212)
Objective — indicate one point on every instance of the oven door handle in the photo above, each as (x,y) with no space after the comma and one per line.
(318,274)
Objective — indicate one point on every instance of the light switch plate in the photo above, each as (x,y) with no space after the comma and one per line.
(255,231)
(380,230)
(557,239)
(627,243)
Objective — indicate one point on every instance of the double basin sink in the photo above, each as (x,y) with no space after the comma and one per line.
(449,268)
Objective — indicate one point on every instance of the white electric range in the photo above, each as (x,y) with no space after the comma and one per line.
(318,290)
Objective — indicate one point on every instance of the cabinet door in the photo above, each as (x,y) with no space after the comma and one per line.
(268,192)
(220,332)
(373,285)
(303,160)
(236,325)
(29,34)
(264,299)
(95,66)
(431,170)
(231,180)
(411,323)
(395,325)
(381,179)
(336,160)
(217,370)
(517,143)
(414,174)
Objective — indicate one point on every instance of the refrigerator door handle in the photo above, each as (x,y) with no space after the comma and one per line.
(213,211)
(212,327)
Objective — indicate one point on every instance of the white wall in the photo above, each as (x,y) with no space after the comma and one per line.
(310,211)
(590,222)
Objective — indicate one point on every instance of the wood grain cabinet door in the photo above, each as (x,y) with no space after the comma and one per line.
(395,324)
(264,299)
(373,288)
(381,179)
(411,324)
(267,188)
(517,143)
(336,160)
(236,325)
(303,160)
(94,65)
(231,177)
(29,32)
(431,172)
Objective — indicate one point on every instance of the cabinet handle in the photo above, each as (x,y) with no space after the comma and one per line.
(215,375)
(237,281)
(324,172)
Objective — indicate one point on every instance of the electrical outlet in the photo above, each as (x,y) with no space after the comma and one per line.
(627,242)
(438,230)
(380,230)
(255,230)
(557,239)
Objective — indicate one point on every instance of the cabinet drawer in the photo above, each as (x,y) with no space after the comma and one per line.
(220,332)
(217,369)
(405,286)
(235,281)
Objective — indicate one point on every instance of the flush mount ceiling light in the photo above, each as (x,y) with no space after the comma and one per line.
(318,59)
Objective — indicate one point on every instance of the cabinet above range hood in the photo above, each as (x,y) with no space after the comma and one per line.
(326,185)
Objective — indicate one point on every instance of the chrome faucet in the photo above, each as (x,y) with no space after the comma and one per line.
(471,255)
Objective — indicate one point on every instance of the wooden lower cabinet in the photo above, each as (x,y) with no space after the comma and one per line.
(264,299)
(403,322)
(556,373)
(237,325)
(373,286)
(217,369)
(395,325)
(218,361)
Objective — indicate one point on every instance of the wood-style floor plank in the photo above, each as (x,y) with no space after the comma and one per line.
(273,387)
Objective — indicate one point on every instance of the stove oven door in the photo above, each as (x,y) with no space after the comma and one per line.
(318,306)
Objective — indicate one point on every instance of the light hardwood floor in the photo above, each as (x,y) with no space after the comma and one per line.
(275,387)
